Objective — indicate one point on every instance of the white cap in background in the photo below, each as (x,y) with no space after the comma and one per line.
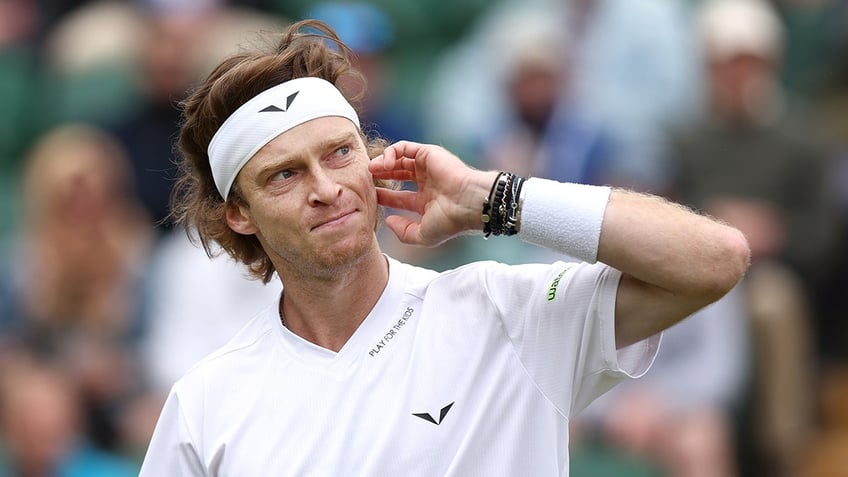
(733,27)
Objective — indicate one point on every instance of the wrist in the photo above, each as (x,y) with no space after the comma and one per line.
(476,193)
(565,217)
(501,214)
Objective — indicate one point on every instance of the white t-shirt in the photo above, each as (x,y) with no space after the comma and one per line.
(474,371)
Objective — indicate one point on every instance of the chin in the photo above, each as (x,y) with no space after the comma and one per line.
(345,253)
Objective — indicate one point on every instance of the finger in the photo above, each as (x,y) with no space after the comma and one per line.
(385,165)
(388,160)
(378,164)
(404,228)
(398,156)
(406,149)
(402,176)
(383,162)
(398,199)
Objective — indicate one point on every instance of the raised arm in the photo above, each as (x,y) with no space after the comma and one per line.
(673,260)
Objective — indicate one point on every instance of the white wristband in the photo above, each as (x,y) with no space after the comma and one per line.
(564,217)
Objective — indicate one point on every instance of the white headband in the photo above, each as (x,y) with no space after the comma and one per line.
(266,116)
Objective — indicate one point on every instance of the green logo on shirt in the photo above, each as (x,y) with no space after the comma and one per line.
(553,288)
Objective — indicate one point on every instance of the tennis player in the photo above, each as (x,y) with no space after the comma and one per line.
(368,366)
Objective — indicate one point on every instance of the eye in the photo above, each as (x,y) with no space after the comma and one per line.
(283,175)
(342,151)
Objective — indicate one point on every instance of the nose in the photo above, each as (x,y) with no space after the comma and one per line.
(325,189)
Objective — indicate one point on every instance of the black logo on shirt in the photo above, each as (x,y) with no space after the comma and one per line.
(391,332)
(427,417)
(274,108)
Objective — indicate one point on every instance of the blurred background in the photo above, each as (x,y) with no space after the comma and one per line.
(737,108)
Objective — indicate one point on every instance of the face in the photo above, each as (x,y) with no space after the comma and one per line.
(39,417)
(310,199)
(741,85)
(75,181)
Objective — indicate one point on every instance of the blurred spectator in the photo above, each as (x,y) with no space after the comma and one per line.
(369,32)
(91,59)
(543,132)
(632,70)
(168,67)
(752,163)
(182,39)
(71,289)
(636,71)
(753,159)
(472,69)
(41,431)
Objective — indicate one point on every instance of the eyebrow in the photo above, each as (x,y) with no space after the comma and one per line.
(329,142)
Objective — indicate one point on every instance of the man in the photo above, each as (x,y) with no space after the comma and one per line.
(368,366)
(753,160)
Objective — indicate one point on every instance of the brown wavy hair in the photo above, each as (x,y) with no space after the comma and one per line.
(305,48)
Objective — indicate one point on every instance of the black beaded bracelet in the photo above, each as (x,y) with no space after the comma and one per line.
(511,222)
(490,210)
(501,210)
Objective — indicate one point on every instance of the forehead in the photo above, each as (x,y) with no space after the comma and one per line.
(310,137)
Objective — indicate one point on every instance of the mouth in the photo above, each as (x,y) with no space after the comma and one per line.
(336,220)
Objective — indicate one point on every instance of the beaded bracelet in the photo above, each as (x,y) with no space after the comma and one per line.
(502,208)
(487,212)
(512,221)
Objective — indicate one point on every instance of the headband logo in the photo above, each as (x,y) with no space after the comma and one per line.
(273,108)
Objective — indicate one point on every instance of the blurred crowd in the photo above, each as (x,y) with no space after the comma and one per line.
(737,108)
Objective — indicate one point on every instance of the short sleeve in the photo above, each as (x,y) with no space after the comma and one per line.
(561,320)
(172,450)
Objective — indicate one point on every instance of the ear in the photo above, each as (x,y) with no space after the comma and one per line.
(239,219)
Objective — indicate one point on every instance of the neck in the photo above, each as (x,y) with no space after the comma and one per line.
(328,311)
